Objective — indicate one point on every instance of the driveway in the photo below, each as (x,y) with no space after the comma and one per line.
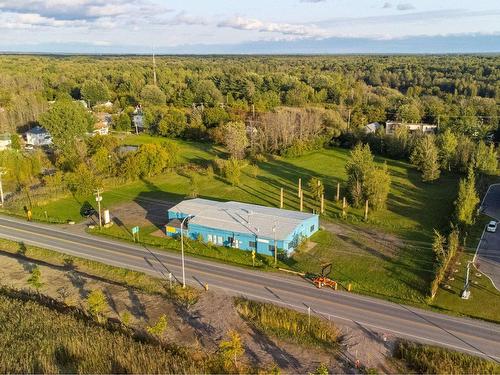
(487,257)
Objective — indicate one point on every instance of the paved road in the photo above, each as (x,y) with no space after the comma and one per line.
(468,335)
(488,251)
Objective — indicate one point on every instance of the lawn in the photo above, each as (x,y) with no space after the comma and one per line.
(402,272)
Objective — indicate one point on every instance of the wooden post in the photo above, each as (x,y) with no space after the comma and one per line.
(300,187)
(337,198)
(322,203)
(301,201)
(366,210)
(281,198)
(343,207)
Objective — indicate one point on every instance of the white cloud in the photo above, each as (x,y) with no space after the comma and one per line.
(298,30)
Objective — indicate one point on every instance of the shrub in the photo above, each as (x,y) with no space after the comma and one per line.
(426,359)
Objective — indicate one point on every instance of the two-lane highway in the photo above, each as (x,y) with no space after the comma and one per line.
(468,335)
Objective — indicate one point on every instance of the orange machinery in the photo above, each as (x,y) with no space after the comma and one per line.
(323,279)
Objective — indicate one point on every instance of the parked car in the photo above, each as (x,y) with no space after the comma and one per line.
(88,212)
(492,226)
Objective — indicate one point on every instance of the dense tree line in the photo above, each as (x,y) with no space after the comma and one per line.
(193,96)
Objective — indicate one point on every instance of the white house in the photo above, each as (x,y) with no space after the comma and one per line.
(38,136)
(103,123)
(372,127)
(5,141)
(391,126)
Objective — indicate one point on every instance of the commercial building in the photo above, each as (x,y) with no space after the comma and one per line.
(241,225)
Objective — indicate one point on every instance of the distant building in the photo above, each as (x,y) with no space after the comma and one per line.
(241,225)
(5,141)
(391,126)
(372,127)
(38,136)
(138,119)
(103,123)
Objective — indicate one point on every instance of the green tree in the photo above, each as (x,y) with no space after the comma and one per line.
(467,199)
(96,303)
(486,158)
(231,350)
(173,123)
(447,143)
(159,328)
(94,92)
(316,188)
(102,162)
(15,143)
(152,95)
(357,167)
(232,171)
(82,181)
(122,122)
(153,158)
(235,139)
(439,247)
(410,113)
(35,278)
(376,186)
(66,122)
(425,157)
(207,93)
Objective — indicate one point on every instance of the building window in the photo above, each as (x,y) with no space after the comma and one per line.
(271,248)
(312,228)
(209,238)
(219,240)
(252,244)
(290,245)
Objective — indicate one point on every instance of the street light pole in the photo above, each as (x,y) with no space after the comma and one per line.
(275,246)
(182,251)
(2,172)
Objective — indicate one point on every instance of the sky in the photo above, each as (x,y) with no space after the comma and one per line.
(250,26)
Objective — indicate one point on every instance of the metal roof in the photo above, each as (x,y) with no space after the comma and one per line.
(242,217)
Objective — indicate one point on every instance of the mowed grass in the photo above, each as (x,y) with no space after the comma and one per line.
(414,208)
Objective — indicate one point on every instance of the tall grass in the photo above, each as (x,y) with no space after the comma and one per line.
(37,339)
(288,324)
(426,359)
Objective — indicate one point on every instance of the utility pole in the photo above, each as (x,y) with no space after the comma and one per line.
(98,199)
(301,201)
(322,203)
(466,291)
(2,172)
(366,210)
(300,187)
(281,198)
(337,198)
(275,245)
(343,207)
(182,251)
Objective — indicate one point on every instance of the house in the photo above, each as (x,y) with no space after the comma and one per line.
(391,126)
(103,123)
(38,136)
(241,225)
(5,141)
(372,127)
(138,119)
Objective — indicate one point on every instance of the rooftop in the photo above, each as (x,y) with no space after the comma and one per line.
(242,217)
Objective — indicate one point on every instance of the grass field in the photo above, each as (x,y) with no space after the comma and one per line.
(414,209)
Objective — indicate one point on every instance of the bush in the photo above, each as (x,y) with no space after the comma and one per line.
(288,324)
(426,359)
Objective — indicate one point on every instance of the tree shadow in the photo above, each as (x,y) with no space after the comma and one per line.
(137,308)
(78,282)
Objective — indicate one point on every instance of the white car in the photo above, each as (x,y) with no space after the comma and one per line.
(492,226)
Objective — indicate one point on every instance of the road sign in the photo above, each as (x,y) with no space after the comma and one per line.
(135,230)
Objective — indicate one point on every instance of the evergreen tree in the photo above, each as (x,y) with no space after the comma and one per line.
(467,199)
(316,188)
(96,302)
(231,350)
(235,139)
(425,158)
